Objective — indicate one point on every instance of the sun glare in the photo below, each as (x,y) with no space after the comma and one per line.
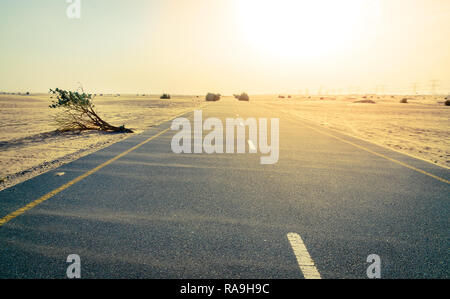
(303,28)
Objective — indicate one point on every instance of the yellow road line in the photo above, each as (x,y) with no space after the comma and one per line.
(47,196)
(304,260)
(372,152)
(381,155)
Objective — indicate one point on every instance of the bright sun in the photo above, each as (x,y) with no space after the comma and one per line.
(303,28)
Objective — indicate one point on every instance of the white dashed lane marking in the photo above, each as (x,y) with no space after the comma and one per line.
(251,145)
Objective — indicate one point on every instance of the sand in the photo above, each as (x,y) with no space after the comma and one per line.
(29,144)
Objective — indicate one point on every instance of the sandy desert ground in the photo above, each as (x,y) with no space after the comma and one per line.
(30,146)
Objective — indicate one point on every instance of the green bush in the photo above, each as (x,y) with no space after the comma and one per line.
(78,114)
(365,102)
(244,97)
(211,97)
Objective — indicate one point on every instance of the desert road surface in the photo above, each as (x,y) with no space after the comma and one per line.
(137,210)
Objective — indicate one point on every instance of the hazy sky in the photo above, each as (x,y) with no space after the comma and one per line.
(226,46)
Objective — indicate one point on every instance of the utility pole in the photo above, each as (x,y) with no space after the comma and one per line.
(414,87)
(434,84)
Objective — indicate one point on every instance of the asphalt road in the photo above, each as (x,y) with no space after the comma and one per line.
(154,214)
